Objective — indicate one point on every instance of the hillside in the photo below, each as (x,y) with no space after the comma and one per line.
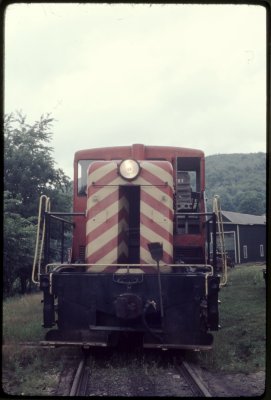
(239,180)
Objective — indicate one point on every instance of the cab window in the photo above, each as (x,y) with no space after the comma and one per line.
(82,176)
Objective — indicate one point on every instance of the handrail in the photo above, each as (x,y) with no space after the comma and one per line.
(44,206)
(218,212)
(127,265)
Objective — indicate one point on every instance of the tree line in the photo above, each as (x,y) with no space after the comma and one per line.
(239,180)
(30,171)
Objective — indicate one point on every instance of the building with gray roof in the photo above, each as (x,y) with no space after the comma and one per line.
(245,237)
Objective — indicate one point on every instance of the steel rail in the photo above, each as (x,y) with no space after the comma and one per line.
(79,384)
(197,386)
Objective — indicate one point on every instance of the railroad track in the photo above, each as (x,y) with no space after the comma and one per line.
(196,384)
(80,381)
(180,379)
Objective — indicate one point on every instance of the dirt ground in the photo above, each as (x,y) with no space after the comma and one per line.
(233,385)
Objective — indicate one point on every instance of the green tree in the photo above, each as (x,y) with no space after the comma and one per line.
(239,179)
(19,238)
(29,167)
(252,201)
(29,172)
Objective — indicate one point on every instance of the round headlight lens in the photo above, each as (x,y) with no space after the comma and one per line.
(129,169)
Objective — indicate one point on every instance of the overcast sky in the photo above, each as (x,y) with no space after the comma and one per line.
(178,75)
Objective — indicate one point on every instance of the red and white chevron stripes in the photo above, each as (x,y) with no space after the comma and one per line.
(108,211)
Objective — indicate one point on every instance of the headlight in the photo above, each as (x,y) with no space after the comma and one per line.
(129,169)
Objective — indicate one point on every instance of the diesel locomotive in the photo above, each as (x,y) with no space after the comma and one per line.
(142,262)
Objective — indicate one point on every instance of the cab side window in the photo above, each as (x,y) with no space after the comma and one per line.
(82,176)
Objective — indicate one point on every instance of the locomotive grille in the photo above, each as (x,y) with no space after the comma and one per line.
(82,251)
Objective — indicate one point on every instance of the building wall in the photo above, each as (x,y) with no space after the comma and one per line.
(252,243)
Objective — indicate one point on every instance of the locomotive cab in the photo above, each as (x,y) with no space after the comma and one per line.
(189,239)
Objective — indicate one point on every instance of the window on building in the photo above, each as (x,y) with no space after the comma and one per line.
(245,251)
(261,250)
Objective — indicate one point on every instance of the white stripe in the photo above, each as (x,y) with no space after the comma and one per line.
(102,217)
(158,195)
(156,216)
(145,256)
(109,257)
(158,172)
(100,172)
(102,240)
(100,194)
(152,236)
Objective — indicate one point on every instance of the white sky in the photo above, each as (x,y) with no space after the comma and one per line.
(177,75)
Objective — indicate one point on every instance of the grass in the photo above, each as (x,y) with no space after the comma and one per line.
(239,346)
(22,319)
(27,371)
(30,372)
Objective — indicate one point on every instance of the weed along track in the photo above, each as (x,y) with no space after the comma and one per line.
(134,375)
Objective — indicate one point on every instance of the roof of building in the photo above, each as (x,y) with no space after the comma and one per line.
(244,219)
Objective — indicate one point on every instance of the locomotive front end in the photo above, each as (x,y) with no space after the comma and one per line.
(131,281)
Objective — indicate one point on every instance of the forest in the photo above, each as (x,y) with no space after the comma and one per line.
(239,180)
(30,171)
